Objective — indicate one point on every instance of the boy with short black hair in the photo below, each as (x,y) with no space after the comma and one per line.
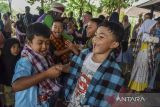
(91,29)
(94,74)
(34,78)
(58,41)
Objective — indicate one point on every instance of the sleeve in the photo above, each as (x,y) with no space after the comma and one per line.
(23,68)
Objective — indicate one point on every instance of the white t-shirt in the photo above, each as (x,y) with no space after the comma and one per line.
(88,69)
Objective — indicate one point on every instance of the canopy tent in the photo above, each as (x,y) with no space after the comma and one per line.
(136,11)
(154,5)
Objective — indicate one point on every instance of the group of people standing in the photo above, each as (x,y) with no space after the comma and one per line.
(54,62)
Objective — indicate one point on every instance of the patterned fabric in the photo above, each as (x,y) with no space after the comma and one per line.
(41,64)
(137,45)
(59,45)
(106,82)
(151,61)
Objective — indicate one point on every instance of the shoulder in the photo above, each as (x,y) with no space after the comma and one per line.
(23,60)
(81,56)
(23,64)
(23,68)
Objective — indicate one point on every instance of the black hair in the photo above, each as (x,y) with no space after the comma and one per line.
(114,17)
(89,13)
(60,20)
(101,17)
(9,60)
(37,29)
(41,11)
(0,16)
(96,20)
(27,7)
(150,15)
(9,14)
(116,29)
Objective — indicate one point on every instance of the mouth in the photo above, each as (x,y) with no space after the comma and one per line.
(57,33)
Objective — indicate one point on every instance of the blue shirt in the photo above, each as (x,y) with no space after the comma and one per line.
(27,97)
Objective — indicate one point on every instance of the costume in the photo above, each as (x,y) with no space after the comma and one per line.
(144,64)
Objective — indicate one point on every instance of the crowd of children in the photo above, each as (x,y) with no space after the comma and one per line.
(54,63)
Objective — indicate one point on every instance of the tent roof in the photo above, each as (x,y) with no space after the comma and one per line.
(151,4)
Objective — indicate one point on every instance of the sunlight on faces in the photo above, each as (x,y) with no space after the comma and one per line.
(104,41)
(57,28)
(15,49)
(91,29)
(40,44)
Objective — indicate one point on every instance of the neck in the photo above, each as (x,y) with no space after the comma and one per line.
(99,58)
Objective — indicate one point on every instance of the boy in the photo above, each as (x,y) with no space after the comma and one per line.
(34,78)
(58,42)
(91,30)
(94,74)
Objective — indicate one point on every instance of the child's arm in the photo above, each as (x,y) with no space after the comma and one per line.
(66,68)
(28,81)
(61,52)
(74,48)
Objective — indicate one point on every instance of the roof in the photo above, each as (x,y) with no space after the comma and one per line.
(150,4)
(136,11)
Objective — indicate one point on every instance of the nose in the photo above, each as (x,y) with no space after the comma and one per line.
(44,46)
(94,39)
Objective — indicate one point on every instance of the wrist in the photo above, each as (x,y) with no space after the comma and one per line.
(46,74)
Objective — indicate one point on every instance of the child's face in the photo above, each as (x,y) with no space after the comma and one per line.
(57,28)
(104,41)
(91,29)
(15,49)
(40,44)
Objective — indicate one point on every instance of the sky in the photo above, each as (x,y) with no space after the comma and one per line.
(19,5)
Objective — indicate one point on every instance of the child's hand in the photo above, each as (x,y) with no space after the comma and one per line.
(73,47)
(70,45)
(54,71)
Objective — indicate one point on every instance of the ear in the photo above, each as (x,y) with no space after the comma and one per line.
(114,45)
(29,42)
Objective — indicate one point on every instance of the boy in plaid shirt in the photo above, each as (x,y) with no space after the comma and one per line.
(94,74)
(58,42)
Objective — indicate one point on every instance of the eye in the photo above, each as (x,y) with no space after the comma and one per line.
(101,37)
(47,42)
(40,43)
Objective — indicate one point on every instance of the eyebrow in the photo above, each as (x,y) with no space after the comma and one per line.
(102,33)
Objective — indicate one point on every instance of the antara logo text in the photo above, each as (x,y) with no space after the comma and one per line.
(130,99)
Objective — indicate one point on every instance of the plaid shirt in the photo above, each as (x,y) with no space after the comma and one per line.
(106,82)
(59,45)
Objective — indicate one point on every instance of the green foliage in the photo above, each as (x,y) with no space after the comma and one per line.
(4,7)
(80,6)
(111,5)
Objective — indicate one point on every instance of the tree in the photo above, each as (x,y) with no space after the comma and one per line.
(4,7)
(111,5)
(80,6)
(41,1)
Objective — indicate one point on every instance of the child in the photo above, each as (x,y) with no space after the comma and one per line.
(91,30)
(58,42)
(94,74)
(34,78)
(10,55)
